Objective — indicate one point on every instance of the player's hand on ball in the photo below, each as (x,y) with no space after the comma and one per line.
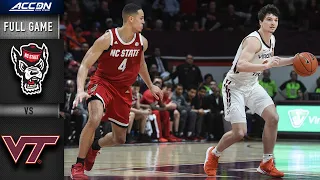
(274,61)
(156,92)
(80,96)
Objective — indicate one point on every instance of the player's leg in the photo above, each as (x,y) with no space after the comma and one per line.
(118,113)
(95,108)
(116,137)
(270,131)
(239,130)
(261,103)
(234,105)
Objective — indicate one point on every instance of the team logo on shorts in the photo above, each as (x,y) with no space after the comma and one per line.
(31,65)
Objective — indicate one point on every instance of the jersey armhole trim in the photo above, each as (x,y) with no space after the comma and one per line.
(141,41)
(111,37)
(254,37)
(111,40)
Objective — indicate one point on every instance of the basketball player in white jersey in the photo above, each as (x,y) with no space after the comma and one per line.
(241,88)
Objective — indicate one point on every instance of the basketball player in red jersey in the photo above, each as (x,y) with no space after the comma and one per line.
(121,59)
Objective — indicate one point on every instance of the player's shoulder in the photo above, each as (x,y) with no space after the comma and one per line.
(104,41)
(252,42)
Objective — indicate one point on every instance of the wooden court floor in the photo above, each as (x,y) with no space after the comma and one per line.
(299,160)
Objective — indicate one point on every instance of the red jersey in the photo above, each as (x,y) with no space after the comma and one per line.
(120,64)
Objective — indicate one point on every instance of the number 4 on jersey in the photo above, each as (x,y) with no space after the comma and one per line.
(122,66)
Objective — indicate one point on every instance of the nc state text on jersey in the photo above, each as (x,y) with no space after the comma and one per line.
(124,52)
(30,27)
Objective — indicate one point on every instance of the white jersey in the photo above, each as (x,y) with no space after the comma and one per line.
(250,78)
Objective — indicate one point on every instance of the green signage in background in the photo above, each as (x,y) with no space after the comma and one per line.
(302,118)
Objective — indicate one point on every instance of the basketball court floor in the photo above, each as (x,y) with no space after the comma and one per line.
(299,160)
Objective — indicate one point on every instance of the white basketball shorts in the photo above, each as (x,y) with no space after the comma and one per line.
(236,97)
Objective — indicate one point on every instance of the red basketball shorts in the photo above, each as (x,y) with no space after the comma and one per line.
(116,101)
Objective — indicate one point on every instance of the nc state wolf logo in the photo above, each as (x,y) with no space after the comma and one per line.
(31,65)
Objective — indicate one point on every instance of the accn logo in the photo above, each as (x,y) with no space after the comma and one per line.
(39,142)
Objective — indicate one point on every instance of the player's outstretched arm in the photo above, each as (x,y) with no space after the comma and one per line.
(92,55)
(251,45)
(285,61)
(156,92)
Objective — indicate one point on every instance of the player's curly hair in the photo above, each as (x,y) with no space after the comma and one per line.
(268,9)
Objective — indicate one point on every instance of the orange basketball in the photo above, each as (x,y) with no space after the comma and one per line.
(305,64)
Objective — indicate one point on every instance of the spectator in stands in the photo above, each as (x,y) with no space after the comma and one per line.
(208,78)
(109,24)
(162,114)
(188,73)
(292,86)
(78,55)
(68,25)
(155,59)
(170,9)
(213,86)
(71,116)
(254,9)
(193,102)
(73,10)
(317,90)
(67,55)
(213,121)
(211,20)
(196,27)
(93,35)
(268,84)
(72,70)
(140,114)
(231,21)
(218,111)
(301,96)
(195,98)
(158,25)
(187,117)
(102,13)
(177,26)
(188,9)
(90,6)
(153,71)
(314,15)
(77,40)
(172,107)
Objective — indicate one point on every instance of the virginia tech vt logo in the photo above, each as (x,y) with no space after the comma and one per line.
(297,117)
(31,65)
(39,142)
